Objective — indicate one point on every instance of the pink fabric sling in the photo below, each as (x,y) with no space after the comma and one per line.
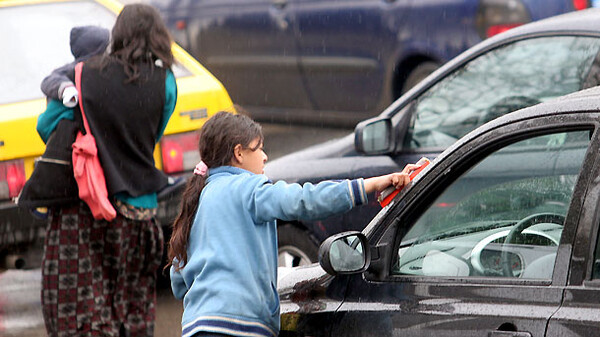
(87,168)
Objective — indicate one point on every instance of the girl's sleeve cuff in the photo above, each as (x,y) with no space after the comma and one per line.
(358,196)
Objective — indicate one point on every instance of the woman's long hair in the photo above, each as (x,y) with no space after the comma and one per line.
(218,138)
(140,36)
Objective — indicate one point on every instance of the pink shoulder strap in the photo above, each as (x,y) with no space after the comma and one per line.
(78,70)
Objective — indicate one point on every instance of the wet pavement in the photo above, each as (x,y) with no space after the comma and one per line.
(21,312)
(20,304)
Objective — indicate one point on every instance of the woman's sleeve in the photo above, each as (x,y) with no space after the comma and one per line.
(309,202)
(48,120)
(170,102)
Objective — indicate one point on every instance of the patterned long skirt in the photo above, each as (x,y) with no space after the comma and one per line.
(99,277)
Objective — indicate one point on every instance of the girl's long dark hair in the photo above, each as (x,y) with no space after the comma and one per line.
(218,137)
(140,36)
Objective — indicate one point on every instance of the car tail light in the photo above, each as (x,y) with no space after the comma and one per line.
(12,178)
(496,16)
(180,24)
(180,152)
(581,4)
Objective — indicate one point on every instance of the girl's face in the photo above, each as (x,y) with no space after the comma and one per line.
(249,159)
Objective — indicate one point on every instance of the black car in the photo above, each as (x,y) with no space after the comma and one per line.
(519,68)
(498,237)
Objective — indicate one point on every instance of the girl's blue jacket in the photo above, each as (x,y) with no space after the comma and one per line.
(229,282)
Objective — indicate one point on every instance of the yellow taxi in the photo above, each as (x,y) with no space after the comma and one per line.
(35,40)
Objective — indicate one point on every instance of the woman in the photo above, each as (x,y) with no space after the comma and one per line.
(99,276)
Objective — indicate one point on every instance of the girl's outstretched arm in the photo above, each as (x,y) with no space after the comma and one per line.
(312,202)
(398,179)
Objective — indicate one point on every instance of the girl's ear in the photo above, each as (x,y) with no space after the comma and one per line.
(237,154)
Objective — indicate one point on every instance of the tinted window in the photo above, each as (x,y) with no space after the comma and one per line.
(503,217)
(35,40)
(505,79)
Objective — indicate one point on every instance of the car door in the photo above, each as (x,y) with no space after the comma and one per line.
(345,44)
(249,46)
(579,314)
(481,246)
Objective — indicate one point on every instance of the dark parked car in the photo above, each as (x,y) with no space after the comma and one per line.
(515,69)
(498,237)
(331,61)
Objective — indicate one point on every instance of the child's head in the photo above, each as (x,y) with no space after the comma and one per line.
(232,139)
(88,41)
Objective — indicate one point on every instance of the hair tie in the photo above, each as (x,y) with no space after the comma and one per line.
(201,169)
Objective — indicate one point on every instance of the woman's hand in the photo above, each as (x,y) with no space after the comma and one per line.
(397,179)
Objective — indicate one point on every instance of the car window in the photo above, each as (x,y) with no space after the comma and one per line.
(505,79)
(38,42)
(503,217)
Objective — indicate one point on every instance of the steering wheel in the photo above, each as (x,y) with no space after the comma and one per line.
(518,228)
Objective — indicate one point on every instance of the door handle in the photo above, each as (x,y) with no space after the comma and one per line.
(509,334)
(280,4)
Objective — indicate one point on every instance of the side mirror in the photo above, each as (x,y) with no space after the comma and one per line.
(345,253)
(374,136)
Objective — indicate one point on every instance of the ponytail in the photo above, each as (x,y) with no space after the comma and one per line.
(183,223)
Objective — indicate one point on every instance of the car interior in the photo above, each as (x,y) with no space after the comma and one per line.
(503,217)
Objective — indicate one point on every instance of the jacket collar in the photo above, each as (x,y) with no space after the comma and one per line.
(225,170)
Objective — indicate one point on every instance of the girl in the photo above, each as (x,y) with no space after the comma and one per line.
(224,243)
(99,276)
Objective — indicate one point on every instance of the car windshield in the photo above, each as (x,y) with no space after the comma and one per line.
(35,40)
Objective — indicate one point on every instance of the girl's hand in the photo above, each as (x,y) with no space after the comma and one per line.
(397,179)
